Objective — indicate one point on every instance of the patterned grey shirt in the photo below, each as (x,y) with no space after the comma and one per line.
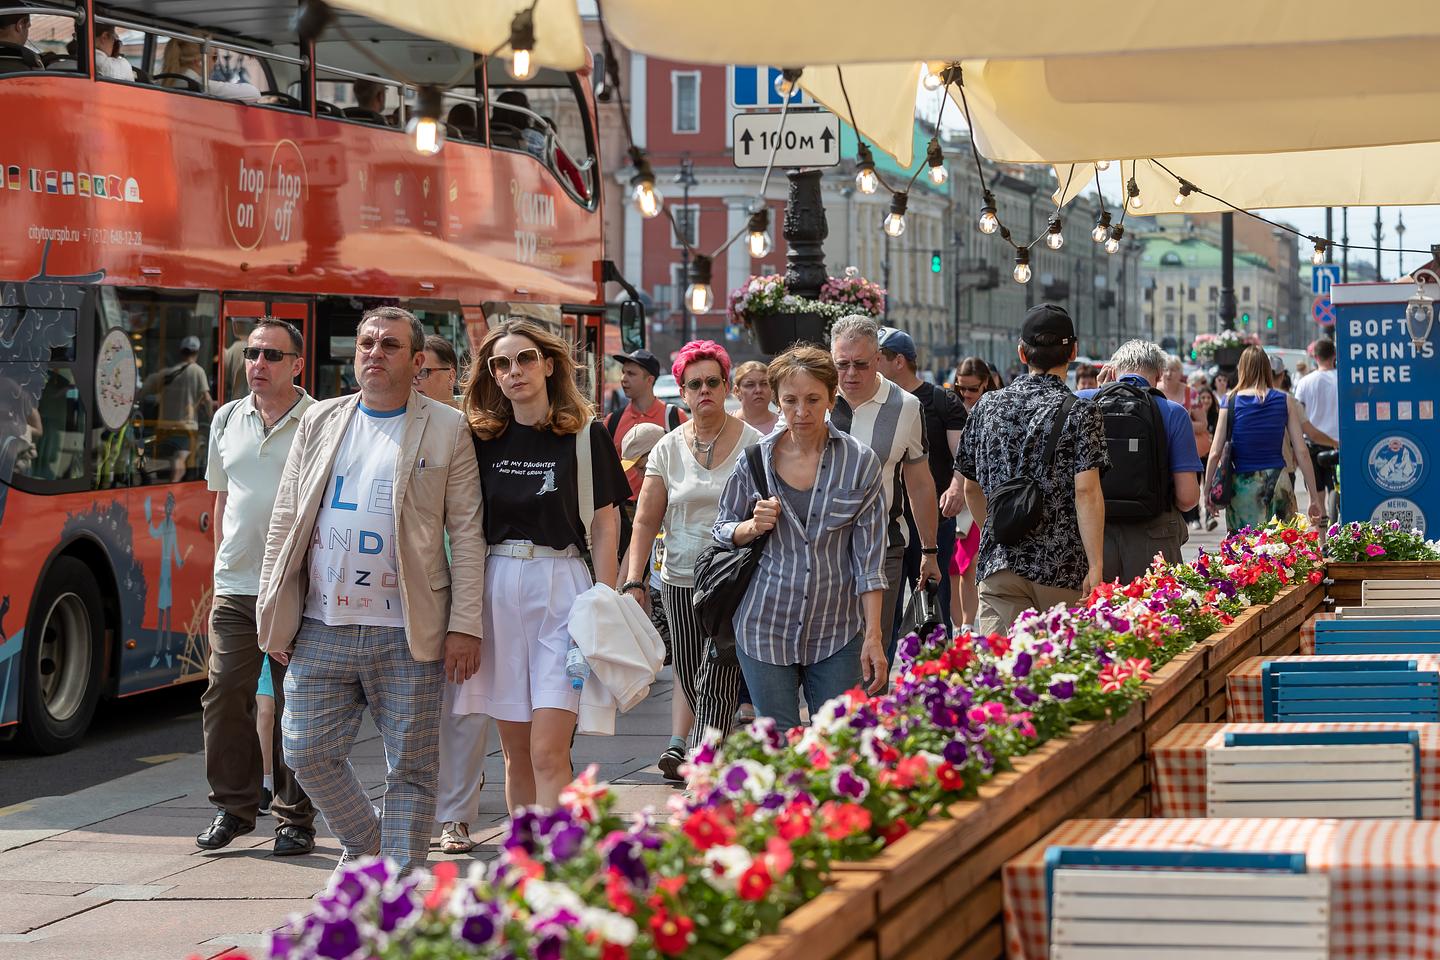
(1004,438)
(804,603)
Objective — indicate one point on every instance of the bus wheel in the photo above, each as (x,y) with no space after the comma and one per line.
(62,660)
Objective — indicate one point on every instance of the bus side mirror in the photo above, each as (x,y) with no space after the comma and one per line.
(632,326)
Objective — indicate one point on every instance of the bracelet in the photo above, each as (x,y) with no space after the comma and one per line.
(930,551)
(634,585)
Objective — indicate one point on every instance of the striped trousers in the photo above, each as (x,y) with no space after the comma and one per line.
(711,690)
(334,673)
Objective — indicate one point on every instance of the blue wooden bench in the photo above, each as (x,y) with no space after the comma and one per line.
(1382,634)
(1300,691)
(1202,905)
(1370,774)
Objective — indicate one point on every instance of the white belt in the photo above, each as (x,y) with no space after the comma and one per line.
(525,550)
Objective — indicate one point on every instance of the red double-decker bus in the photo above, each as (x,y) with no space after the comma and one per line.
(151,214)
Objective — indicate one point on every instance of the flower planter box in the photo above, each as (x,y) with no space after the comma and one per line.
(777,332)
(1347,577)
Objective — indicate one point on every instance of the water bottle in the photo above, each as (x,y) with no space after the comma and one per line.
(576,668)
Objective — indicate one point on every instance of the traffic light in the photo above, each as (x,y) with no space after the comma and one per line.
(1269,323)
(935,261)
(1245,319)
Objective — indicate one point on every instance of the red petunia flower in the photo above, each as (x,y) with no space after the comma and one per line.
(614,951)
(705,829)
(949,777)
(445,873)
(755,882)
(894,832)
(841,820)
(617,893)
(671,933)
(793,822)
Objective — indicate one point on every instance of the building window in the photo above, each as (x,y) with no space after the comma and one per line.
(1192,295)
(677,287)
(1214,294)
(1169,294)
(687,225)
(1149,294)
(1169,323)
(685,101)
(1245,294)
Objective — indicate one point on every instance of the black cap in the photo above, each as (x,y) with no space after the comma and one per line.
(644,358)
(1047,325)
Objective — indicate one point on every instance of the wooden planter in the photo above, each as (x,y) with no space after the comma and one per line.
(936,892)
(1347,577)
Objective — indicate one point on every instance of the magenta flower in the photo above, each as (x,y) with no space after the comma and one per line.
(1374,550)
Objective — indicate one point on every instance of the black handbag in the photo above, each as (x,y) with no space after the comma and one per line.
(723,574)
(1017,507)
(1222,483)
(922,614)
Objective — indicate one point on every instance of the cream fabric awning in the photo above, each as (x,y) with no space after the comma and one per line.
(883,95)
(484,25)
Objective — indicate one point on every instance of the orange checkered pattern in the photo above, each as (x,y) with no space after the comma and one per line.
(1307,633)
(1177,762)
(1385,875)
(1245,696)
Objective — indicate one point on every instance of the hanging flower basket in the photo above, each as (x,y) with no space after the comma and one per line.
(1223,348)
(778,319)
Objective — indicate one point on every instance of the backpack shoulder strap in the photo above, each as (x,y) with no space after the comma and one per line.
(585,477)
(612,422)
(1057,428)
(672,416)
(757,470)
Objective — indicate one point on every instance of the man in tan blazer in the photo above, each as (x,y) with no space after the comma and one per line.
(356,594)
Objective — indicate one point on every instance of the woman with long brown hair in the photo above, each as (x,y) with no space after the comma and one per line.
(1259,421)
(527,415)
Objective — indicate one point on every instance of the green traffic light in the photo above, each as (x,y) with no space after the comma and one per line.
(1269,323)
(935,262)
(1245,318)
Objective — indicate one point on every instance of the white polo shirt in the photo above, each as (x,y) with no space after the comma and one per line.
(245,464)
(892,423)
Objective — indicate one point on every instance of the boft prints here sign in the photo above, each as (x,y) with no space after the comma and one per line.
(1389,437)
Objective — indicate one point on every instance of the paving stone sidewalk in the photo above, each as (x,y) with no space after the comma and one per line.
(113,872)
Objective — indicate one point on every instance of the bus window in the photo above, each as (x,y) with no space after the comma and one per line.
(357,96)
(174,335)
(57,430)
(42,37)
(547,117)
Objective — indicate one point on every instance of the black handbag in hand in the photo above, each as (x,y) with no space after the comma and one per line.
(922,614)
(1017,507)
(723,574)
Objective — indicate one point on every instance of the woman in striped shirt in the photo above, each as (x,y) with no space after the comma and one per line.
(811,618)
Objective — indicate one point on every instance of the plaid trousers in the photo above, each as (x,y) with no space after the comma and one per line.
(334,673)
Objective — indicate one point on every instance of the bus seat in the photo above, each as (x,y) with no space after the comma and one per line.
(327,109)
(367,116)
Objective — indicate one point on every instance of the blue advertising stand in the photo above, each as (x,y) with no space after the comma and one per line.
(1389,390)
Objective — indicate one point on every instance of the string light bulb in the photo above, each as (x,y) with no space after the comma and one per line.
(867,181)
(935,158)
(699,296)
(1054,239)
(1102,165)
(758,238)
(1186,188)
(1317,257)
(425,125)
(1132,190)
(522,44)
(1022,265)
(1101,233)
(895,219)
(1117,233)
(647,199)
(788,80)
(989,219)
(932,81)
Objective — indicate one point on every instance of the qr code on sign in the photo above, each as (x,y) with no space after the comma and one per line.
(1409,520)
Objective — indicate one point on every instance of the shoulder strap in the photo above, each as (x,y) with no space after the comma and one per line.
(612,422)
(1057,428)
(672,416)
(757,470)
(219,423)
(585,477)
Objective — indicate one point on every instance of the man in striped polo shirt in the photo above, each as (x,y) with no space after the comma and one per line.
(891,422)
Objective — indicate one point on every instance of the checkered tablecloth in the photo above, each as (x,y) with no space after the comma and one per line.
(1307,633)
(1177,761)
(1384,874)
(1245,697)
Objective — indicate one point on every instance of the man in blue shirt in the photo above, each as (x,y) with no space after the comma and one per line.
(1132,543)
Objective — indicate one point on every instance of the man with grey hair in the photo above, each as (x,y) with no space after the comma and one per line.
(1155,466)
(891,422)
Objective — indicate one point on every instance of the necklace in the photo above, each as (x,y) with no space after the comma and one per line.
(705,448)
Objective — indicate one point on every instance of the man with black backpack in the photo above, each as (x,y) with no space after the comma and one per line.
(1154,463)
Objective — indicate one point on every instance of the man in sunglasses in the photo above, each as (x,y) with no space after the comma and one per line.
(357,596)
(250,437)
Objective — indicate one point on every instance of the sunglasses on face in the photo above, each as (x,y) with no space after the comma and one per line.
(861,365)
(426,371)
(501,364)
(269,353)
(963,389)
(714,383)
(389,345)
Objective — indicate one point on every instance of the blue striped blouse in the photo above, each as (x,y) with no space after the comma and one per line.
(804,603)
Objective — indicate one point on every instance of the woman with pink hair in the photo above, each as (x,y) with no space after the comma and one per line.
(680,498)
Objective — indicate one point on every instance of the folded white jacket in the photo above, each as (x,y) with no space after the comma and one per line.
(624,652)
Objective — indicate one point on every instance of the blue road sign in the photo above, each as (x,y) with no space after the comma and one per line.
(1389,443)
(1322,276)
(754,88)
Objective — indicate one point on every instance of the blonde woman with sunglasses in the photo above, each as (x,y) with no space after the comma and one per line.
(526,412)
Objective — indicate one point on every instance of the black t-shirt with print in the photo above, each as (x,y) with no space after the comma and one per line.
(527,478)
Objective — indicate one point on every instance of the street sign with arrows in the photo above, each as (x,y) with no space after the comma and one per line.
(809,139)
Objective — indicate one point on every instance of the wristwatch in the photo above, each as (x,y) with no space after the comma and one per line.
(931,551)
(633,585)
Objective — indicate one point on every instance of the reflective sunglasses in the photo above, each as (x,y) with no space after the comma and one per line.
(501,364)
(714,383)
(966,390)
(269,353)
(389,346)
(426,371)
(861,365)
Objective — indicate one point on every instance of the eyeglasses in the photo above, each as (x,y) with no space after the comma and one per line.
(861,365)
(714,383)
(960,389)
(501,364)
(426,371)
(269,353)
(389,346)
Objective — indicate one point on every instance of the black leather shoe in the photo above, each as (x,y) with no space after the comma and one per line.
(223,829)
(293,842)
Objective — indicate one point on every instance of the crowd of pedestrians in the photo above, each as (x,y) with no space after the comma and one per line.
(421,554)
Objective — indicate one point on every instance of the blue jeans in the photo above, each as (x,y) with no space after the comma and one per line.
(773,687)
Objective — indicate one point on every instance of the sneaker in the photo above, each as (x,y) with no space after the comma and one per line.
(669,764)
(266,796)
(1210,522)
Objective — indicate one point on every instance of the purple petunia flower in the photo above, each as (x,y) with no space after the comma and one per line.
(395,909)
(339,939)
(627,857)
(909,647)
(1025,695)
(956,753)
(847,783)
(990,677)
(1023,663)
(522,832)
(566,842)
(733,779)
(480,926)
(1063,689)
(550,947)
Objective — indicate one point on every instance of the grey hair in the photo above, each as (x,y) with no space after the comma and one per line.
(1140,356)
(856,325)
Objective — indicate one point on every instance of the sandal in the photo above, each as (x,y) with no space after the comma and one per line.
(455,837)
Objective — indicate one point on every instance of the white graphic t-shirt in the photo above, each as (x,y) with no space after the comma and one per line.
(354,576)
